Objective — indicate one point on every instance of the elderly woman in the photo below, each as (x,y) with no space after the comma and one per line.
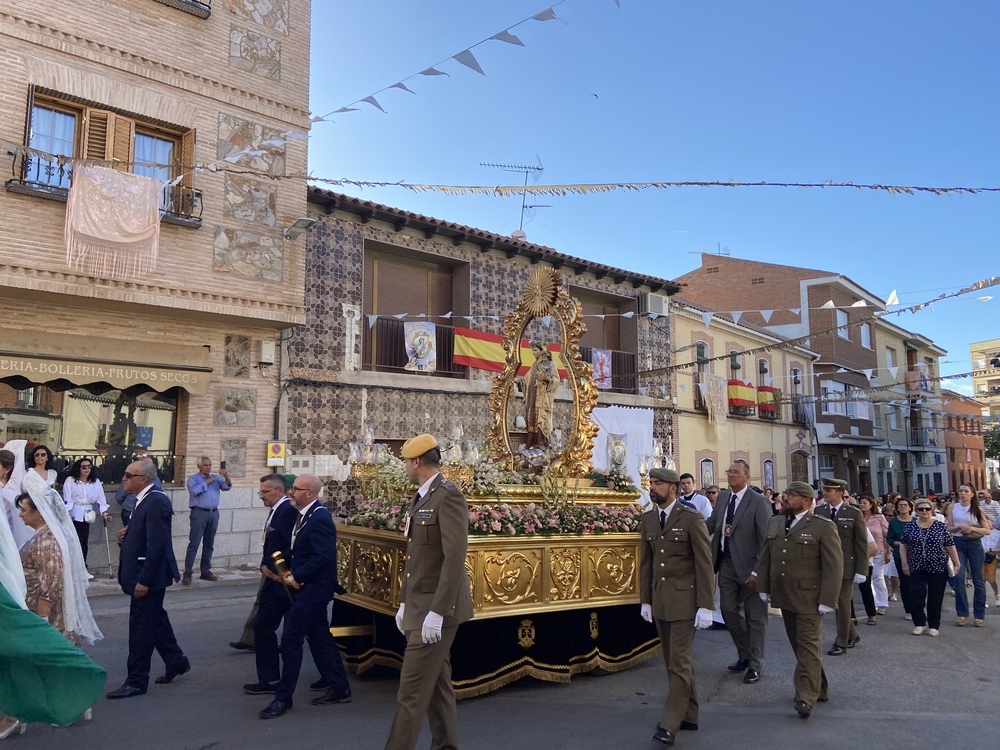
(81,491)
(966,520)
(924,550)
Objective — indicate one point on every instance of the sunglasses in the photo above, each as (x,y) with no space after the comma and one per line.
(923,509)
(132,476)
(43,454)
(86,466)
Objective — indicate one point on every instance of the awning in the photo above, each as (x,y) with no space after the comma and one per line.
(40,358)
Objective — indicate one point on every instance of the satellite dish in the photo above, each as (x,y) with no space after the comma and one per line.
(519,234)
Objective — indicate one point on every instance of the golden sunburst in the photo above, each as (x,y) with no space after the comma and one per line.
(541,291)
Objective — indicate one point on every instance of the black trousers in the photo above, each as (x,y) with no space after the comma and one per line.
(83,533)
(274,604)
(308,619)
(148,630)
(904,584)
(927,588)
(867,596)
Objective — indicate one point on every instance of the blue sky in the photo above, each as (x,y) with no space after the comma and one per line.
(891,92)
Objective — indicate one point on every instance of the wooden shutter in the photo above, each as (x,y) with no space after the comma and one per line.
(97,134)
(400,289)
(187,160)
(123,144)
(439,294)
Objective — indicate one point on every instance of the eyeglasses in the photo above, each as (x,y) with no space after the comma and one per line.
(43,454)
(298,489)
(924,509)
(272,489)
(126,475)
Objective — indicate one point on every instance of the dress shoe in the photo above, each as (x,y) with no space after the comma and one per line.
(852,642)
(209,576)
(241,646)
(823,699)
(186,579)
(275,709)
(126,691)
(872,621)
(321,685)
(663,737)
(260,688)
(836,650)
(688,726)
(802,709)
(173,672)
(752,677)
(331,698)
(739,666)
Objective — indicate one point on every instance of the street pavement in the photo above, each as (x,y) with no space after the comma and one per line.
(893,690)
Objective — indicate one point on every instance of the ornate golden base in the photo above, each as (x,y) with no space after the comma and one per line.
(531,493)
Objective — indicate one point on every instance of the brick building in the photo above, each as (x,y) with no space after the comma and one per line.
(167,357)
(963,439)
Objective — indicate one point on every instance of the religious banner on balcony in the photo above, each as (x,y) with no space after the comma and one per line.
(601,361)
(484,351)
(713,391)
(767,402)
(420,340)
(112,222)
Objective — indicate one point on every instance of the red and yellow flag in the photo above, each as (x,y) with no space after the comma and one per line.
(484,351)
(741,393)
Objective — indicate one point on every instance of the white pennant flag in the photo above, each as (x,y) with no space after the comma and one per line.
(860,303)
(546,15)
(768,380)
(599,316)
(546,321)
(795,310)
(893,299)
(371,320)
(469,60)
(868,373)
(400,316)
(893,371)
(421,315)
(402,86)
(766,315)
(707,317)
(373,101)
(683,388)
(506,36)
(701,388)
(842,369)
(447,314)
(737,314)
(434,72)
(827,305)
(642,390)
(629,314)
(470,318)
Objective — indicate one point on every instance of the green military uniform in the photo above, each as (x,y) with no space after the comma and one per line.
(800,568)
(676,579)
(854,546)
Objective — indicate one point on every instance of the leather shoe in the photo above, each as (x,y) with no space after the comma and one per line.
(823,699)
(752,677)
(836,650)
(688,726)
(663,737)
(852,642)
(321,685)
(173,672)
(186,579)
(260,688)
(275,709)
(331,698)
(209,576)
(241,646)
(739,666)
(802,709)
(126,691)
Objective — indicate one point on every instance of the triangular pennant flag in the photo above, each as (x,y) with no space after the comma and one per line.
(470,318)
(629,314)
(642,390)
(766,315)
(842,369)
(434,72)
(373,101)
(371,320)
(421,315)
(893,298)
(599,316)
(654,316)
(807,344)
(400,316)
(345,109)
(447,314)
(893,371)
(546,320)
(546,15)
(827,305)
(402,86)
(707,317)
(737,314)
(506,36)
(868,372)
(768,380)
(468,60)
(860,303)
(795,310)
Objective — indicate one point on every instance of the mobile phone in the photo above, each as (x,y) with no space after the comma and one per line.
(222,464)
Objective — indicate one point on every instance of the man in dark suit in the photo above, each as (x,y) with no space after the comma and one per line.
(676,591)
(313,578)
(739,527)
(800,569)
(854,544)
(273,597)
(434,599)
(146,568)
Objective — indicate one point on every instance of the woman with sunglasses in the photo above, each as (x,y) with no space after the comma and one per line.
(81,491)
(40,461)
(968,523)
(897,524)
(924,550)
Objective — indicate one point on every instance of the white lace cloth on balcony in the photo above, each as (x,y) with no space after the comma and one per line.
(713,391)
(112,222)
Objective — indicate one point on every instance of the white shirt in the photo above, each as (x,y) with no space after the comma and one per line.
(700,503)
(664,513)
(426,486)
(270,515)
(141,496)
(80,497)
(725,511)
(798,517)
(295,531)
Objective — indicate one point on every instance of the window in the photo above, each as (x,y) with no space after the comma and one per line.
(825,462)
(866,335)
(735,365)
(890,357)
(29,398)
(701,358)
(842,330)
(54,131)
(832,395)
(763,368)
(857,409)
(893,421)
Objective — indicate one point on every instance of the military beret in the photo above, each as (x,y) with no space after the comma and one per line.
(834,484)
(802,489)
(289,479)
(665,475)
(418,446)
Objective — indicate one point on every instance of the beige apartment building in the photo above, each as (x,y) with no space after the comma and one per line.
(985,357)
(168,344)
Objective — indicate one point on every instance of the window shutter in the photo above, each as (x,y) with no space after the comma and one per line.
(187,160)
(439,294)
(96,136)
(400,289)
(123,143)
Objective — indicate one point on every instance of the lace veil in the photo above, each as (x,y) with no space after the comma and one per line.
(18,529)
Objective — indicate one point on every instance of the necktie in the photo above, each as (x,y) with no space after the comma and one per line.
(788,522)
(298,524)
(833,513)
(663,520)
(730,512)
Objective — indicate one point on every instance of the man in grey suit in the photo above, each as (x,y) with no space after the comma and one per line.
(739,529)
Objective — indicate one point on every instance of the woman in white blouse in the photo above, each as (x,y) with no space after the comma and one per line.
(80,491)
(40,461)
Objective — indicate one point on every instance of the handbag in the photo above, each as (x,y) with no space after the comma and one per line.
(951,568)
(90,515)
(991,557)
(972,536)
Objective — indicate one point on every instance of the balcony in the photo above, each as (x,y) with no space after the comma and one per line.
(623,370)
(200,8)
(923,437)
(385,350)
(699,400)
(742,398)
(800,409)
(32,175)
(768,402)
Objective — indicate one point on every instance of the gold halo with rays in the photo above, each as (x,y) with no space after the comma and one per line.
(541,291)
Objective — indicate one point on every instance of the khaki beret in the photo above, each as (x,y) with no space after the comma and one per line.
(665,475)
(418,446)
(834,484)
(802,489)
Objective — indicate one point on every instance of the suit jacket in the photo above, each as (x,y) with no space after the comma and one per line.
(278,538)
(314,555)
(434,578)
(801,568)
(749,530)
(675,564)
(853,537)
(147,553)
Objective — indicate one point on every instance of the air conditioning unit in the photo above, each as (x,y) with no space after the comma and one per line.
(938,458)
(887,463)
(658,304)
(301,464)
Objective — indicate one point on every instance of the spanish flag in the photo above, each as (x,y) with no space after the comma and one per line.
(741,393)
(484,351)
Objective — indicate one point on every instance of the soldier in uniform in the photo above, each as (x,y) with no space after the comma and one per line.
(854,544)
(676,587)
(434,599)
(799,572)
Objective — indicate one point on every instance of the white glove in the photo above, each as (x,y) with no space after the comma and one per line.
(825,610)
(766,598)
(703,619)
(399,617)
(646,612)
(858,578)
(431,631)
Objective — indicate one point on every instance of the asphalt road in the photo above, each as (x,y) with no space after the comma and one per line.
(893,690)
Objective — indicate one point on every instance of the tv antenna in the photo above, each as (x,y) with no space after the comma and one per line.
(722,250)
(534,172)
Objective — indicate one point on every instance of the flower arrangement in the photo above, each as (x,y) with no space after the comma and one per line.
(489,478)
(616,479)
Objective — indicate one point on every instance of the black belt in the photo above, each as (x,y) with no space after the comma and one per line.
(210,510)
